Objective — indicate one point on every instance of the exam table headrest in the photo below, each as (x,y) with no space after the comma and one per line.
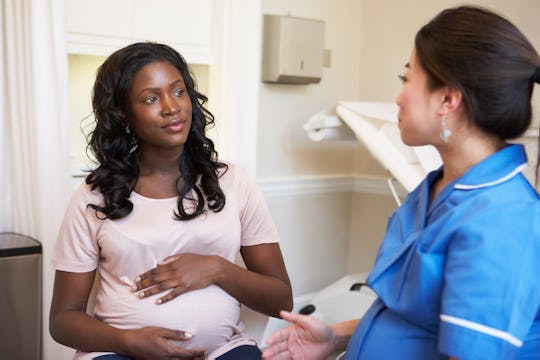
(375,124)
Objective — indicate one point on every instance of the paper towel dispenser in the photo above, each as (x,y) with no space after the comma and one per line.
(293,50)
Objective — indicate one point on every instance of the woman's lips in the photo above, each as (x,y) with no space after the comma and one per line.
(175,126)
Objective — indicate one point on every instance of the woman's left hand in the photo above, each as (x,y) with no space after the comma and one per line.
(262,285)
(181,273)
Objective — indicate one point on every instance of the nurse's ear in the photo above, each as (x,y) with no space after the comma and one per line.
(451,100)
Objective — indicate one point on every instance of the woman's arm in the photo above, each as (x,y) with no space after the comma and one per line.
(69,324)
(264,286)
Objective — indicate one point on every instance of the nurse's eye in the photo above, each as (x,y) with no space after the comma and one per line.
(402,78)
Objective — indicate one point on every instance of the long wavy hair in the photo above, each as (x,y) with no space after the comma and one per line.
(116,149)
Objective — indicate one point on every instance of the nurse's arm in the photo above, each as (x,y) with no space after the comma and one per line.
(343,332)
(308,338)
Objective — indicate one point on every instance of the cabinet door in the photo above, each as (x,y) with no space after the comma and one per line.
(173,21)
(100,17)
(99,27)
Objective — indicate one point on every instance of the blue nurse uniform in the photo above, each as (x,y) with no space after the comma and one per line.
(459,277)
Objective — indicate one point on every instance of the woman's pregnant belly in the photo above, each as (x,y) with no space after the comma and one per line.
(210,314)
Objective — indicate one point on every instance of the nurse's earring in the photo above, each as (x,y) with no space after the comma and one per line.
(445,131)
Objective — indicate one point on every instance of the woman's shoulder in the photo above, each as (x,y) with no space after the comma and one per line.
(86,195)
(232,171)
(234,176)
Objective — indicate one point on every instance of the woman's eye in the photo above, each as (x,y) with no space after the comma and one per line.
(179,92)
(402,78)
(150,99)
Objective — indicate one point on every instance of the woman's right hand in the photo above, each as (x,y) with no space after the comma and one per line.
(71,325)
(306,338)
(155,343)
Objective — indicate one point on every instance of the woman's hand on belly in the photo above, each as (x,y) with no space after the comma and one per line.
(181,273)
(263,284)
(157,343)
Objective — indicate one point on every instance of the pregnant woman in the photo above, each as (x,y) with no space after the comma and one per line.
(161,220)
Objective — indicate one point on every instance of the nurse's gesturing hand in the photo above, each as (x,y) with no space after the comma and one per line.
(181,273)
(306,338)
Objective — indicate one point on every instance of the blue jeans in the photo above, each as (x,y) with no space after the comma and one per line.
(244,352)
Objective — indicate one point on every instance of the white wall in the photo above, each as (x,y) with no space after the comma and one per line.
(386,52)
(283,147)
(314,228)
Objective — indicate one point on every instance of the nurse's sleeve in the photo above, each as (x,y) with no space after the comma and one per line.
(491,290)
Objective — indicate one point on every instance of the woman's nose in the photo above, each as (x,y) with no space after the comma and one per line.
(169,106)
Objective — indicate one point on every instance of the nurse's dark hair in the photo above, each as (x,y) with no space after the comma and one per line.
(489,60)
(116,148)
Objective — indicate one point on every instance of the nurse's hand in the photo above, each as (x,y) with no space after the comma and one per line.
(306,338)
(181,273)
(155,343)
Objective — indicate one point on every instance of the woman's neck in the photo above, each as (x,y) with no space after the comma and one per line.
(162,161)
(159,175)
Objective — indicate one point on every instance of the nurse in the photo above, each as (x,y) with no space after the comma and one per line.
(457,272)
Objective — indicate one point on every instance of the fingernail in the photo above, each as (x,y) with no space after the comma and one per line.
(126,280)
(141,294)
(188,335)
(137,279)
(159,301)
(134,288)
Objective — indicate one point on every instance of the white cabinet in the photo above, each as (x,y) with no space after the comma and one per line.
(99,27)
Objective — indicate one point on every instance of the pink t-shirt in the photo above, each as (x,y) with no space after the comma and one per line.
(125,248)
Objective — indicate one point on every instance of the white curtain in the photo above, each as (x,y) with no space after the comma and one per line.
(34,164)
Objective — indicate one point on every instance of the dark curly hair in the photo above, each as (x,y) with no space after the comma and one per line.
(117,150)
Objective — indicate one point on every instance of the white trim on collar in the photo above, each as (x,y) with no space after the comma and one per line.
(517,170)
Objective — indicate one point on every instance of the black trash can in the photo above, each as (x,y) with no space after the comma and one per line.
(20,297)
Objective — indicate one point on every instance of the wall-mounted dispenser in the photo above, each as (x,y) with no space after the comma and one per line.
(293,50)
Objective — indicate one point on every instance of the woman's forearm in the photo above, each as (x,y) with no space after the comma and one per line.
(266,294)
(69,324)
(80,331)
